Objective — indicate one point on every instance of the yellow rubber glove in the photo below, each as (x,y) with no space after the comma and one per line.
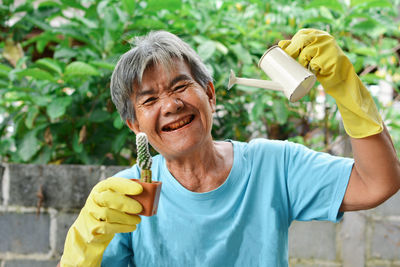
(319,51)
(104,214)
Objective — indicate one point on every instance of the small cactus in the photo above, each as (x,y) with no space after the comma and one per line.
(144,158)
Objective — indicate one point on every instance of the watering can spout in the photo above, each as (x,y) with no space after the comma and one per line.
(232,80)
(253,82)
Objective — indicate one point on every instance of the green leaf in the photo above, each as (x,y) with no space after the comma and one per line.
(75,144)
(41,101)
(367,4)
(119,142)
(99,115)
(129,6)
(72,3)
(118,123)
(378,3)
(29,146)
(222,48)
(366,51)
(317,20)
(41,44)
(148,23)
(5,145)
(79,68)
(35,73)
(206,50)
(38,22)
(49,4)
(156,5)
(33,111)
(103,64)
(258,109)
(49,64)
(331,4)
(365,26)
(280,111)
(44,155)
(370,78)
(65,53)
(58,107)
(3,83)
(91,24)
(4,70)
(241,53)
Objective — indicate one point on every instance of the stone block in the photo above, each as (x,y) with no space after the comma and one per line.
(390,207)
(64,222)
(24,233)
(31,263)
(63,186)
(387,264)
(111,170)
(386,240)
(352,234)
(312,240)
(313,264)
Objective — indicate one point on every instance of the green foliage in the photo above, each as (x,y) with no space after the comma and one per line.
(57,58)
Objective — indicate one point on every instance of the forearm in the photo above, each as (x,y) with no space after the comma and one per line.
(377,165)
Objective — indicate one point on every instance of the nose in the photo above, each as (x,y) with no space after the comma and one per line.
(171,104)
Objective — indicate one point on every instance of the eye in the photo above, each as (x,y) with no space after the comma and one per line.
(180,87)
(149,100)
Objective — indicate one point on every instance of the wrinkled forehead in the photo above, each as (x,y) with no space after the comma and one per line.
(159,63)
(155,69)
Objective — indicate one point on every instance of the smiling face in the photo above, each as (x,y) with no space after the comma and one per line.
(173,110)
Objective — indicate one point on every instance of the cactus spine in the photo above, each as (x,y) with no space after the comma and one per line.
(144,158)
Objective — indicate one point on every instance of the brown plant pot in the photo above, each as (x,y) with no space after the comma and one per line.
(149,197)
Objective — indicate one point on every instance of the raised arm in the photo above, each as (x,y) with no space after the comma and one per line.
(376,172)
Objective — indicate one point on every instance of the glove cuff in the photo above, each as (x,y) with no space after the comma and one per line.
(357,107)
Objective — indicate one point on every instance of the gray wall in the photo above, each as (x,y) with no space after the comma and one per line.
(368,238)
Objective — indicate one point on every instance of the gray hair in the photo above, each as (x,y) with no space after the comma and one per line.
(159,47)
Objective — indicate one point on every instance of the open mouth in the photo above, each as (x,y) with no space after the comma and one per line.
(178,124)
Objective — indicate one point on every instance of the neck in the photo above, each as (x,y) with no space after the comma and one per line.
(204,169)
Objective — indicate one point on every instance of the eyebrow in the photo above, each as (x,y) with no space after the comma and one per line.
(181,77)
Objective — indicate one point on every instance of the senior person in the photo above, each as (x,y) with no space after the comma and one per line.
(226,203)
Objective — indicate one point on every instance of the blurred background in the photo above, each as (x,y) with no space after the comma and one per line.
(56,59)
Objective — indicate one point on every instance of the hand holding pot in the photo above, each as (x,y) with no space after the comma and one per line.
(318,50)
(104,214)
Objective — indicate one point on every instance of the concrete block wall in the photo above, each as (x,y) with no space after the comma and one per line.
(368,238)
(37,240)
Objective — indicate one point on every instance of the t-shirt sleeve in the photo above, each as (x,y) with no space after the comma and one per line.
(119,252)
(316,183)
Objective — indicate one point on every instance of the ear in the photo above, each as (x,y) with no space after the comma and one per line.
(211,95)
(134,126)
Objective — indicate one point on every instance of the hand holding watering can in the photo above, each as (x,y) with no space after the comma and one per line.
(318,51)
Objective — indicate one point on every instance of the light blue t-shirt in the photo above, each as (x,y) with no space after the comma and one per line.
(245,221)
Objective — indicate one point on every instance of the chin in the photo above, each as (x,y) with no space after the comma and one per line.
(184,145)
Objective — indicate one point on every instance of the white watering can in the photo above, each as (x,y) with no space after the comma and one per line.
(287,75)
